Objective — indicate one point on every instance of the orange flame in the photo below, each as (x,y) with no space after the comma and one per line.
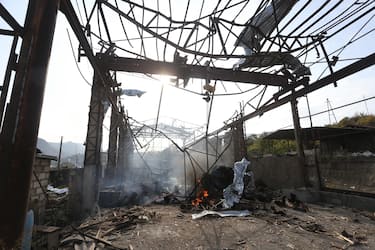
(200,197)
(205,193)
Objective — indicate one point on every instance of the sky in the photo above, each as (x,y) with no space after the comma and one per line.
(67,93)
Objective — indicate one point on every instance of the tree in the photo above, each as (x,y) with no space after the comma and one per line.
(257,145)
(357,120)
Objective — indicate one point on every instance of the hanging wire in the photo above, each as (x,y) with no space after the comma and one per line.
(79,12)
(75,60)
(123,26)
(333,52)
(185,16)
(85,9)
(338,19)
(157,30)
(348,43)
(339,107)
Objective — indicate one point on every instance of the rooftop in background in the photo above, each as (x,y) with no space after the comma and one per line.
(319,133)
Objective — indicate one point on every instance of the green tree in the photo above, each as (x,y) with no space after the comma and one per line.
(357,120)
(257,145)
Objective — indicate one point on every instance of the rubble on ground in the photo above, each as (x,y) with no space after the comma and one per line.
(108,225)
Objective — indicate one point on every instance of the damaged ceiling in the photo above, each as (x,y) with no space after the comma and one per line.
(284,49)
(292,45)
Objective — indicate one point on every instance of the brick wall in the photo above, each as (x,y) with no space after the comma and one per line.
(37,198)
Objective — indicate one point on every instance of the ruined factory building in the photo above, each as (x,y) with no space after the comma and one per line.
(171,120)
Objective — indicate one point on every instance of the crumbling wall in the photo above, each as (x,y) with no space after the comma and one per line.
(277,171)
(75,193)
(351,173)
(37,198)
(356,173)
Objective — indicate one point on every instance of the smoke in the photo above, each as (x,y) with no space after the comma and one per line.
(143,177)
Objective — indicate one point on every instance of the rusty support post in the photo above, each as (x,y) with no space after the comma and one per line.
(112,146)
(239,145)
(92,163)
(297,135)
(124,152)
(20,131)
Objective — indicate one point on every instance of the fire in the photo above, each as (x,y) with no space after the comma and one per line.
(202,195)
(205,193)
(196,202)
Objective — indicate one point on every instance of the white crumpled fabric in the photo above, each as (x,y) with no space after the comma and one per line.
(233,192)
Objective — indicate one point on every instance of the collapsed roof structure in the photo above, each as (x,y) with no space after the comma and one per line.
(280,43)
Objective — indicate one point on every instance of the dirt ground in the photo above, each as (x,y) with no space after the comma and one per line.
(322,227)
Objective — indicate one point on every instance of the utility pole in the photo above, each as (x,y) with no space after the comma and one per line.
(59,159)
(329,109)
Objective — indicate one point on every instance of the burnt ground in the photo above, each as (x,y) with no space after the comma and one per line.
(166,227)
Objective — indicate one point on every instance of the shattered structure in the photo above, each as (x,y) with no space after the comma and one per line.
(275,46)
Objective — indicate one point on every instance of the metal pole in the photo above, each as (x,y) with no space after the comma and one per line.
(11,66)
(160,98)
(297,135)
(185,173)
(92,163)
(112,146)
(59,159)
(17,149)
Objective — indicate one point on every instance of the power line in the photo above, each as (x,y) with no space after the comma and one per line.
(339,107)
(75,59)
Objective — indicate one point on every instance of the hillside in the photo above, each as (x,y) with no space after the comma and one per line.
(70,150)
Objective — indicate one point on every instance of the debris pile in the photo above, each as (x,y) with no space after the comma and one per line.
(57,206)
(100,231)
(223,187)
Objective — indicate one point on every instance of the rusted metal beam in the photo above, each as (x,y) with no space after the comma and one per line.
(112,147)
(10,66)
(20,131)
(297,135)
(102,89)
(92,164)
(338,75)
(71,16)
(125,149)
(8,32)
(183,71)
(4,13)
